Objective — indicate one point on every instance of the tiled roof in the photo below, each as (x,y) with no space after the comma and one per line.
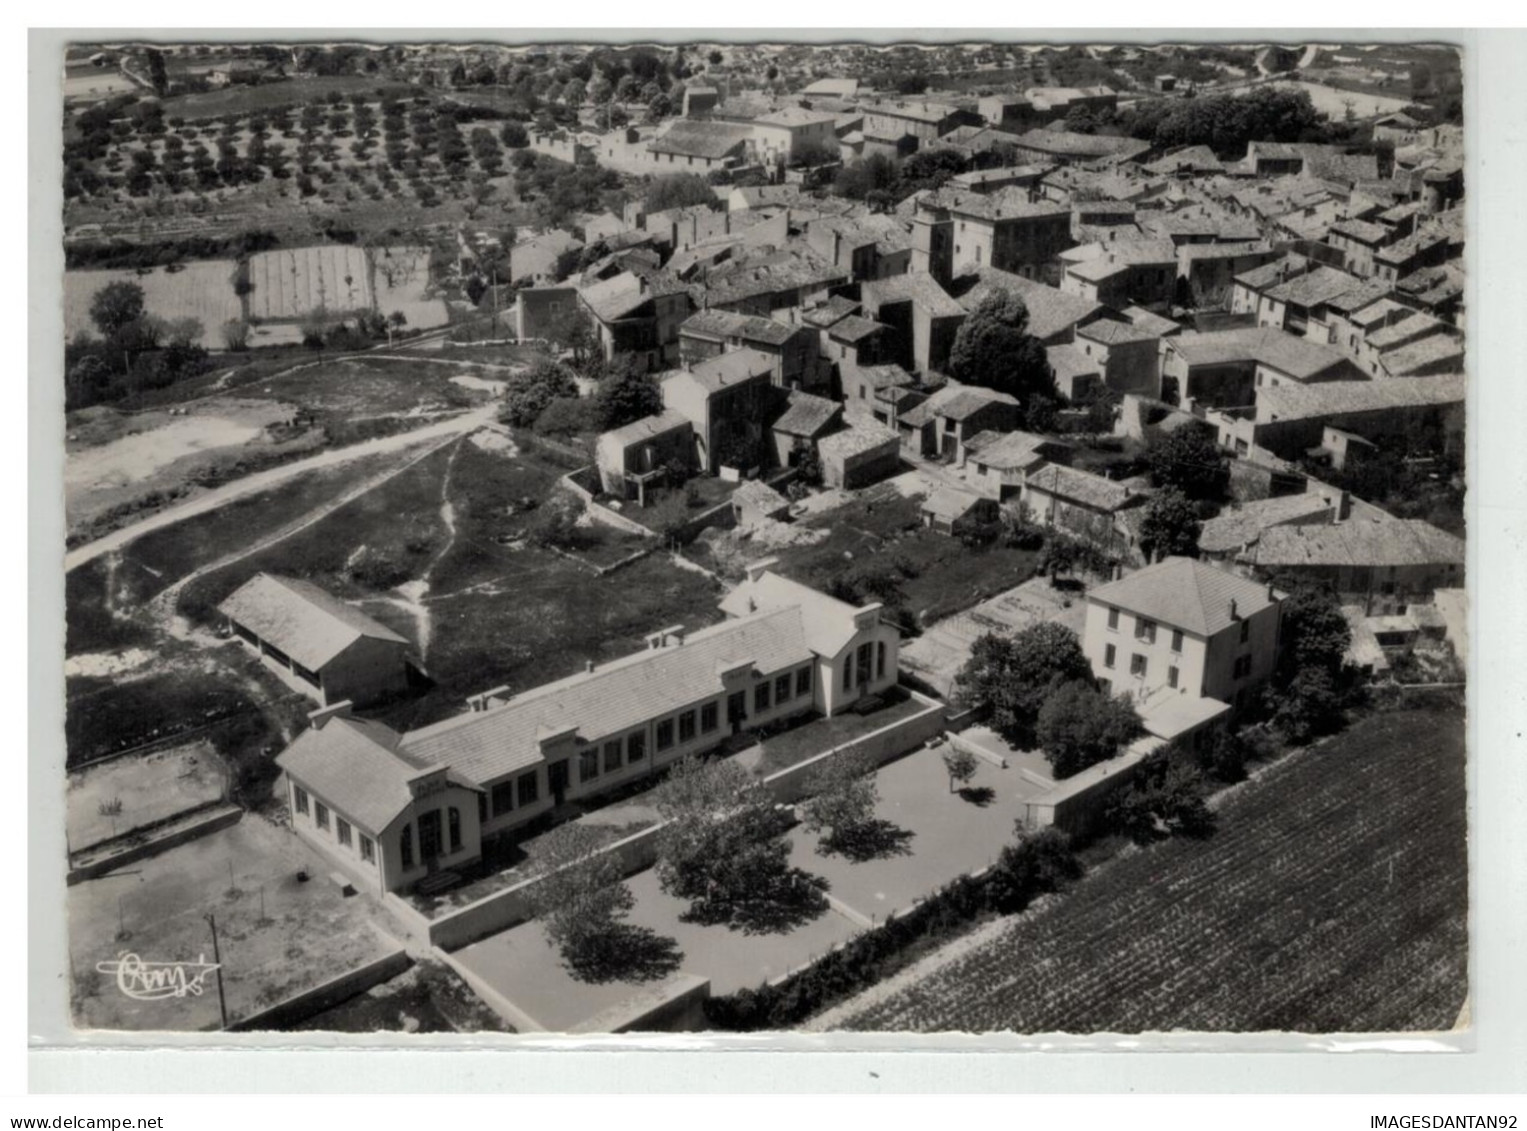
(759,496)
(357,767)
(1111,333)
(727,369)
(1240,526)
(611,699)
(1361,230)
(961,404)
(768,270)
(1007,450)
(878,376)
(1194,158)
(917,287)
(835,309)
(1297,357)
(1069,363)
(793,116)
(807,415)
(861,437)
(1011,203)
(1359,298)
(616,297)
(1271,274)
(1318,286)
(1187,594)
(757,196)
(950,503)
(1113,258)
(1083,487)
(826,623)
(1052,311)
(1424,353)
(300,619)
(854,329)
(913,111)
(648,427)
(1153,324)
(1405,331)
(729,324)
(1379,540)
(688,137)
(1332,398)
(1065,143)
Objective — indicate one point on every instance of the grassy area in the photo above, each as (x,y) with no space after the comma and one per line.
(429,997)
(1333,898)
(242,99)
(819,735)
(89,625)
(670,506)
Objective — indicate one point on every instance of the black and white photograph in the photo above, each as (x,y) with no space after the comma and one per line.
(712,537)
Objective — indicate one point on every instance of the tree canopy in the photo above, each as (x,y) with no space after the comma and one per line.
(679,190)
(1080,726)
(994,349)
(1169,526)
(1189,460)
(627,394)
(1011,677)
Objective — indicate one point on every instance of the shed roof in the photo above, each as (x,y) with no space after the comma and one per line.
(807,415)
(1092,491)
(689,137)
(300,619)
(855,440)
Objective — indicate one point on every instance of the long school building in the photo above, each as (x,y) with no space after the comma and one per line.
(396,808)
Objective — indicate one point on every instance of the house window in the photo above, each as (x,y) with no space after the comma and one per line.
(1242,667)
(321,814)
(782,688)
(880,659)
(1171,677)
(709,716)
(453,826)
(300,799)
(1113,619)
(862,662)
(406,846)
(342,831)
(761,696)
(1109,655)
(848,672)
(636,746)
(1245,631)
(687,726)
(1145,630)
(588,765)
(1137,666)
(528,788)
(1177,640)
(502,797)
(803,681)
(665,734)
(368,850)
(612,756)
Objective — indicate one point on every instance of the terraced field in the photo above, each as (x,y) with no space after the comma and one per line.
(1333,898)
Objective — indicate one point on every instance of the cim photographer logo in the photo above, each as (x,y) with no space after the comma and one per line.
(155,981)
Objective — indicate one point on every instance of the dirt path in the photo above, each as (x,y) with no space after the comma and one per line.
(414,592)
(444,431)
(162,606)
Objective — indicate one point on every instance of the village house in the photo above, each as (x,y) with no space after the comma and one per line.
(859,455)
(1299,305)
(639,454)
(393,809)
(1061,147)
(541,312)
(1206,272)
(806,420)
(638,315)
(1077,376)
(745,198)
(1054,315)
(1409,255)
(921,317)
(545,258)
(980,181)
(1186,639)
(699,100)
(1351,317)
(730,400)
(1236,529)
(1361,242)
(755,502)
(1136,273)
(316,643)
(938,427)
(1226,368)
(862,384)
(709,333)
(1416,413)
(690,145)
(793,133)
(1375,347)
(1128,357)
(866,247)
(924,121)
(767,279)
(1002,229)
(997,464)
(959,513)
(1088,506)
(1427,357)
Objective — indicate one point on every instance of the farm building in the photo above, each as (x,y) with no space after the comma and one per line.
(858,456)
(632,457)
(954,511)
(316,643)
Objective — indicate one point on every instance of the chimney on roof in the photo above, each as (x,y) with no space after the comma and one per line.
(673,636)
(588,667)
(1234,615)
(1271,594)
(340,710)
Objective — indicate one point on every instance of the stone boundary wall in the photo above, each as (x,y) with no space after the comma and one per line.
(325,995)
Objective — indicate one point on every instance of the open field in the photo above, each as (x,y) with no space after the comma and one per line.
(288,92)
(148,789)
(203,291)
(277,935)
(428,997)
(1333,898)
(294,282)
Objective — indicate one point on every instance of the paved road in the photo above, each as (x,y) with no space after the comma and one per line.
(264,480)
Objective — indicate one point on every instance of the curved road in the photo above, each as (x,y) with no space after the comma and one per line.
(264,480)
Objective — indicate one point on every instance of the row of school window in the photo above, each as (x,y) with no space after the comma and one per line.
(524,790)
(856,669)
(343,832)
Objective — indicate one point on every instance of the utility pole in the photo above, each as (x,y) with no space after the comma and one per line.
(217,958)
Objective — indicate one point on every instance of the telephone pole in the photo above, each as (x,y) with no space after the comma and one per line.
(217,958)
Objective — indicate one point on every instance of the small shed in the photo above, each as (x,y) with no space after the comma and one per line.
(950,510)
(858,456)
(754,502)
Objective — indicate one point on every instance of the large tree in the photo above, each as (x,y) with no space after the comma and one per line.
(1169,527)
(627,394)
(527,394)
(723,849)
(679,190)
(1312,681)
(581,897)
(1080,726)
(1011,677)
(995,350)
(1189,460)
(842,801)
